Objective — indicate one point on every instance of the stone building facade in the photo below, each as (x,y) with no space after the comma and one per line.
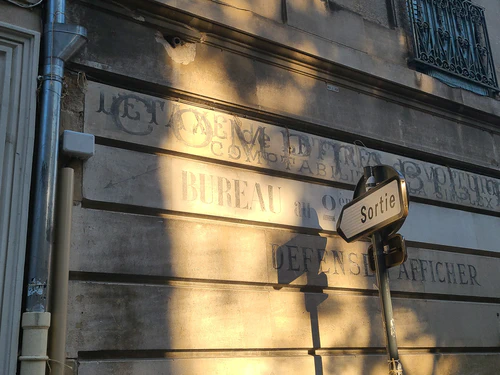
(229,134)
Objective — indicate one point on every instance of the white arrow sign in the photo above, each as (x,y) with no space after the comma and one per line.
(376,209)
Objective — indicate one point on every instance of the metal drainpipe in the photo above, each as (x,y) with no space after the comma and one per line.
(59,301)
(61,41)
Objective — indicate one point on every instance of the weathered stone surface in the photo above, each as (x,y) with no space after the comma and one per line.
(492,14)
(355,320)
(128,116)
(195,313)
(224,76)
(194,249)
(329,22)
(375,10)
(11,14)
(134,317)
(449,227)
(266,8)
(178,184)
(146,317)
(265,365)
(343,22)
(414,364)
(184,185)
(134,244)
(98,55)
(387,44)
(476,139)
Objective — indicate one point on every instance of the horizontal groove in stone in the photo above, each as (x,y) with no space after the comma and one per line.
(110,355)
(129,279)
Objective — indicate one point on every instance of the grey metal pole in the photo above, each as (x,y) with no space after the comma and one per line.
(385,296)
(45,173)
(55,11)
(61,41)
(395,367)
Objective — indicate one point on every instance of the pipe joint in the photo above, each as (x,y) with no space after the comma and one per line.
(53,67)
(50,77)
(63,40)
(34,348)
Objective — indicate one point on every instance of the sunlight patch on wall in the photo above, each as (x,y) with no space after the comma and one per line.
(286,97)
(412,328)
(181,53)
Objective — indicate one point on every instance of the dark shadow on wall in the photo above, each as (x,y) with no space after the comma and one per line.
(299,258)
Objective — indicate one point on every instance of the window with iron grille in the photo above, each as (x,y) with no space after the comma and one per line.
(451,43)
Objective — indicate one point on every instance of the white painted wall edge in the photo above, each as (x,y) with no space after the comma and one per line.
(24,44)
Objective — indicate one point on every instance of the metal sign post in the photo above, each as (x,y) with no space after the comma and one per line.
(379,208)
(395,367)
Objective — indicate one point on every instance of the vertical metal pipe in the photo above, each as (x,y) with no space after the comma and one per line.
(61,41)
(395,367)
(385,296)
(55,11)
(59,304)
(45,169)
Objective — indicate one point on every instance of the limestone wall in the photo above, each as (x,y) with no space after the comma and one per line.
(204,229)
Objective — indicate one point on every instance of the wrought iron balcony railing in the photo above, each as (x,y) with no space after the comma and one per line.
(451,36)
